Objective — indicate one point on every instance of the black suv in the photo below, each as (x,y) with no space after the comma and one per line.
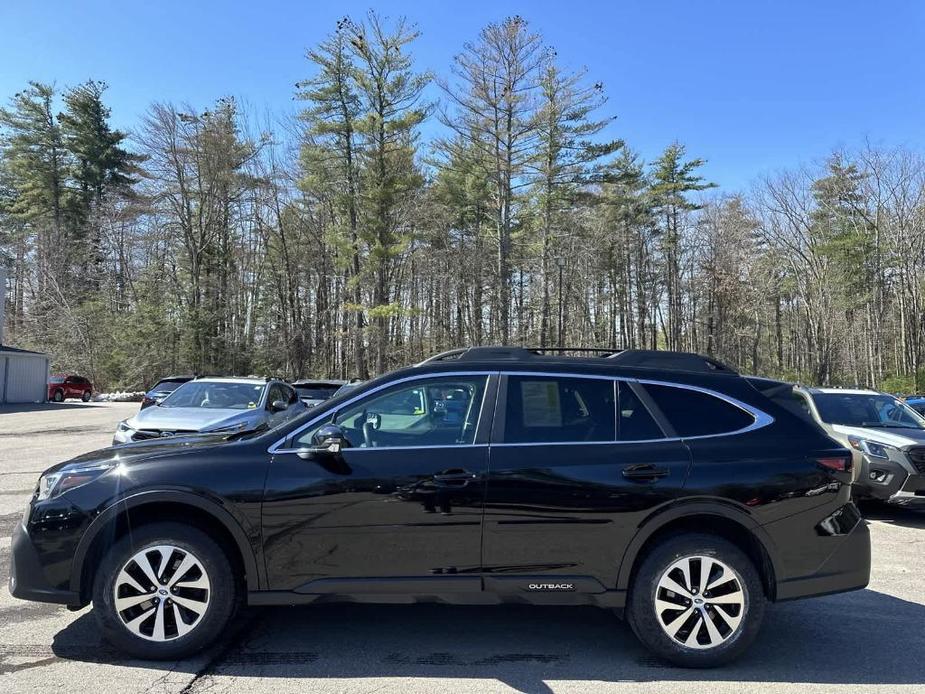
(662,485)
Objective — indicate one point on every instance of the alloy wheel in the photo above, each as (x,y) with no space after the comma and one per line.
(700,602)
(162,593)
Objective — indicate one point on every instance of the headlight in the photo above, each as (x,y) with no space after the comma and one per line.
(56,483)
(123,427)
(871,448)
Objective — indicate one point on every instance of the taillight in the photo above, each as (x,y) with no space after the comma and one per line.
(838,463)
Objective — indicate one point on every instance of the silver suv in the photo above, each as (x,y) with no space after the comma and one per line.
(213,405)
(886,436)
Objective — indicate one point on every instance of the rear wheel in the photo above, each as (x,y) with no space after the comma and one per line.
(86,396)
(58,395)
(166,592)
(697,601)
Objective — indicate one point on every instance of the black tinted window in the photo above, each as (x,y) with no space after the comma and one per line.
(634,422)
(693,413)
(548,409)
(167,386)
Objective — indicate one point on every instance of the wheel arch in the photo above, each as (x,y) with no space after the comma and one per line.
(714,518)
(147,507)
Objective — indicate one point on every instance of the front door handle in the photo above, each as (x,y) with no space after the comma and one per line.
(645,473)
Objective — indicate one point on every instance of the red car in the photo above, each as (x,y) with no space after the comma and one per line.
(62,386)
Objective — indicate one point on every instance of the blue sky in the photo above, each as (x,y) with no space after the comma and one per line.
(752,86)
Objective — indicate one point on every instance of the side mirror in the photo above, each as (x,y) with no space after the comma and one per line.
(329,439)
(278,405)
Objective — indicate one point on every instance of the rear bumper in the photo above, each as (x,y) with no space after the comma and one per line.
(27,579)
(846,568)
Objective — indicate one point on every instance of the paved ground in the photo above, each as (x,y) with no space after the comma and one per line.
(872,640)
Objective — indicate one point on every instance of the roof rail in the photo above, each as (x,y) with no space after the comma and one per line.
(642,358)
(679,361)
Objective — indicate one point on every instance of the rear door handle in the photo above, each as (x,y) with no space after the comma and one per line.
(645,473)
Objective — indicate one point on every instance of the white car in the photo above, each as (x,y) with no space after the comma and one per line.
(213,405)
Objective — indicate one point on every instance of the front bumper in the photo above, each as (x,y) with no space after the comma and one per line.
(912,493)
(27,578)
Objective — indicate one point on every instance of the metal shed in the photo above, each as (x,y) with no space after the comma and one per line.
(23,375)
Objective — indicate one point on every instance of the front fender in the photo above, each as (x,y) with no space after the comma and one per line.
(254,574)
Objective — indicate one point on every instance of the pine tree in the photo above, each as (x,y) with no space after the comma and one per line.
(672,180)
(100,166)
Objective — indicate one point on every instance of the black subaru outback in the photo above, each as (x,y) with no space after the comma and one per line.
(662,485)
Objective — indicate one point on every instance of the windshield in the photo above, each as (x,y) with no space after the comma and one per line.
(216,395)
(862,410)
(316,392)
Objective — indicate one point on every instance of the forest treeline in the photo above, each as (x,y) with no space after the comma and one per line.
(345,242)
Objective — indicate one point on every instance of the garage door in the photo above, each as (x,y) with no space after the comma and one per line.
(26,378)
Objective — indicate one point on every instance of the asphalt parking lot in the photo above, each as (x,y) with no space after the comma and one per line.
(870,640)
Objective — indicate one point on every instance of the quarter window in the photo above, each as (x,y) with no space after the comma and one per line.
(549,410)
(438,412)
(693,413)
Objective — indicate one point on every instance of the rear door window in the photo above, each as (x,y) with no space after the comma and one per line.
(634,421)
(547,409)
(695,413)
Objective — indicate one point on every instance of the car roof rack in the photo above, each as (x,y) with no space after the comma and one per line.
(679,361)
(634,358)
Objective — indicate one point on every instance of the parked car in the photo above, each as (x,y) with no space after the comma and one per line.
(917,403)
(64,386)
(662,485)
(886,435)
(315,392)
(162,389)
(347,387)
(213,404)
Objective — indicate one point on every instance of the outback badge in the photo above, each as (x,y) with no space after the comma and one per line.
(551,586)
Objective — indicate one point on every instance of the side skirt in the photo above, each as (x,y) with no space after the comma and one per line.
(452,590)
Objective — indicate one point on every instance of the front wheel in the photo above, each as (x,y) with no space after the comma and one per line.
(86,396)
(165,592)
(58,396)
(697,601)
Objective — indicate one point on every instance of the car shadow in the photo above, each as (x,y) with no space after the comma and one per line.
(895,515)
(43,406)
(814,641)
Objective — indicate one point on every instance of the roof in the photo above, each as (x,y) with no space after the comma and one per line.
(844,391)
(16,350)
(318,382)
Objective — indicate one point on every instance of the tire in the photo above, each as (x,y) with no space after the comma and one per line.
(86,396)
(695,643)
(58,396)
(121,569)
